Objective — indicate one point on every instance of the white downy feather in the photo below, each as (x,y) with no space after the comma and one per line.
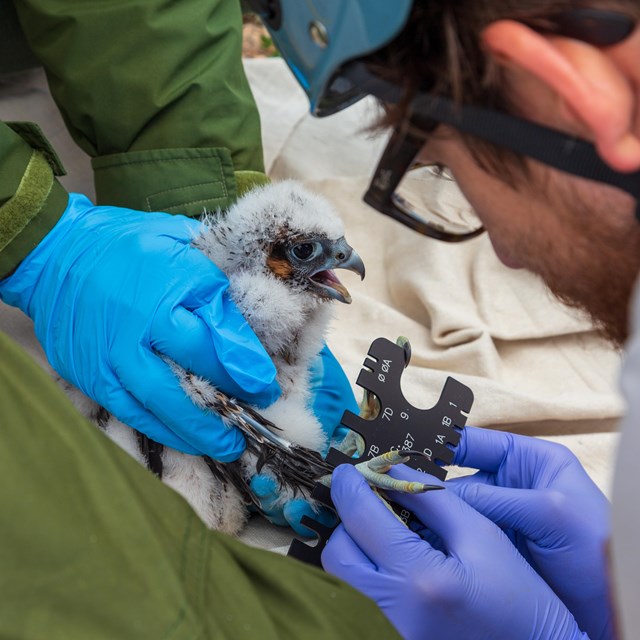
(280,316)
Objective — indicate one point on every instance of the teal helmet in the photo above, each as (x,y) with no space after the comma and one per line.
(317,38)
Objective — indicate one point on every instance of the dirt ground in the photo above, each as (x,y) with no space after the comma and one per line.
(257,43)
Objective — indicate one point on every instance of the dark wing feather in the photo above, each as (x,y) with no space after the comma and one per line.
(294,466)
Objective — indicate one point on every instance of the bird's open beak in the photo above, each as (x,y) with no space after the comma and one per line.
(343,257)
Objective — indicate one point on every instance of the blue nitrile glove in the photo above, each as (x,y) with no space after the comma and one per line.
(331,395)
(110,288)
(283,512)
(481,587)
(554,512)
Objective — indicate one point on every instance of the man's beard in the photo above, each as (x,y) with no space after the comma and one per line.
(593,269)
(606,302)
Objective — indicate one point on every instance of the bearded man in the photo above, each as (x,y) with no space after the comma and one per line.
(534,108)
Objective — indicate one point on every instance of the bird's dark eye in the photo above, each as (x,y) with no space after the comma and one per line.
(304,251)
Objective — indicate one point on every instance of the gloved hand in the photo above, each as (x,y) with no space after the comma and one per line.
(108,290)
(481,587)
(558,517)
(281,511)
(331,395)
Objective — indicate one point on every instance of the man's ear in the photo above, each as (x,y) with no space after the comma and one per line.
(591,82)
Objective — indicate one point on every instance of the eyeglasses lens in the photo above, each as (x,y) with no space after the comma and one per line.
(431,194)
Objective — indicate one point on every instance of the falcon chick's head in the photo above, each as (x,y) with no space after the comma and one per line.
(288,233)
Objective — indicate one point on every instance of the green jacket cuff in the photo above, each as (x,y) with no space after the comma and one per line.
(31,199)
(248,180)
(185,181)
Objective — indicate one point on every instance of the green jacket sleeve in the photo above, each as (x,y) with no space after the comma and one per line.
(155,92)
(31,199)
(95,547)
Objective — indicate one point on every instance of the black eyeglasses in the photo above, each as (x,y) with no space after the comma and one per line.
(412,193)
(598,27)
(398,179)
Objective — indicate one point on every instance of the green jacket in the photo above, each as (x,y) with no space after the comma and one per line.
(153,91)
(94,546)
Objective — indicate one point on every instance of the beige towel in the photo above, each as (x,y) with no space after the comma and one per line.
(533,365)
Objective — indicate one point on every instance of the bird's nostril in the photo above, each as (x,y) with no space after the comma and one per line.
(341,256)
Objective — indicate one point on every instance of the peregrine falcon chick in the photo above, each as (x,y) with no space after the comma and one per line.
(279,246)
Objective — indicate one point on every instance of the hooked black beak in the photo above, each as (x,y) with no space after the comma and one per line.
(343,256)
(354,263)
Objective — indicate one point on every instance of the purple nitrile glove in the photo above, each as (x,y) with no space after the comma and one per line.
(557,516)
(478,586)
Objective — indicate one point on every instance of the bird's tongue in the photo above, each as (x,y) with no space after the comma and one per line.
(329,279)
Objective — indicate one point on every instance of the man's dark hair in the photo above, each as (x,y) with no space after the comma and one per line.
(439,50)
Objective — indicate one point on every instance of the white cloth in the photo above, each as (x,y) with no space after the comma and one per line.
(531,362)
(533,365)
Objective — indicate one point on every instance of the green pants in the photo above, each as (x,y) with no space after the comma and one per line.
(93,546)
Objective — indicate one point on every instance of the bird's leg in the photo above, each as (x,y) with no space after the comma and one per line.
(352,445)
(369,407)
(375,473)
